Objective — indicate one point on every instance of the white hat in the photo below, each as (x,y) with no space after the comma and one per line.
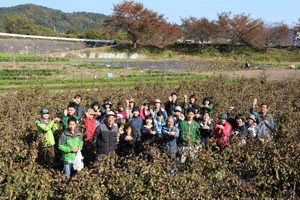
(110,113)
(157,101)
(178,108)
(119,116)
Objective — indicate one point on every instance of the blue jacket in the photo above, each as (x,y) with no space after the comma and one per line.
(159,125)
(163,111)
(137,122)
(169,142)
(260,118)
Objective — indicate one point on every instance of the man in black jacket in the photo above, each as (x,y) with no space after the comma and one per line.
(171,104)
(106,137)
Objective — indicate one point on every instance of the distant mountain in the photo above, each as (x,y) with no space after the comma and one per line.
(55,19)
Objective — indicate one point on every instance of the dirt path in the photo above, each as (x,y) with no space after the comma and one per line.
(270,74)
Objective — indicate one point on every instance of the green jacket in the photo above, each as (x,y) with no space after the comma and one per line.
(67,141)
(210,108)
(64,121)
(190,134)
(47,128)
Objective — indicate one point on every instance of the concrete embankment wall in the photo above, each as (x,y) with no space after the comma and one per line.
(36,46)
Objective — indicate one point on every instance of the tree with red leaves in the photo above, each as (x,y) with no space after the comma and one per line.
(136,21)
(201,30)
(237,28)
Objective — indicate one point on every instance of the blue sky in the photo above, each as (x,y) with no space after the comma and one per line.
(270,11)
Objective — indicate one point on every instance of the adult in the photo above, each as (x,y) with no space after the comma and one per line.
(178,116)
(263,116)
(186,105)
(222,131)
(190,136)
(107,107)
(206,128)
(171,103)
(136,121)
(79,110)
(130,104)
(157,107)
(106,137)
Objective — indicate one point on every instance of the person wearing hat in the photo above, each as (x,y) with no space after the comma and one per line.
(136,121)
(107,107)
(70,112)
(250,124)
(89,124)
(190,137)
(222,131)
(121,110)
(178,116)
(186,105)
(46,127)
(79,110)
(120,123)
(130,104)
(157,107)
(105,137)
(171,103)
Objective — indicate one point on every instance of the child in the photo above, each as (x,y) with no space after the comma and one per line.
(207,106)
(222,131)
(70,112)
(145,110)
(136,121)
(206,128)
(79,109)
(47,127)
(159,121)
(70,143)
(127,142)
(121,110)
(178,116)
(89,124)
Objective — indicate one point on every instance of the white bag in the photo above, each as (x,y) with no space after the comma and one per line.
(78,161)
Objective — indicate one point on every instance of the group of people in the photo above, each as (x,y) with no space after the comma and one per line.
(179,130)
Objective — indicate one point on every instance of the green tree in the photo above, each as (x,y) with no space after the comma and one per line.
(72,31)
(17,24)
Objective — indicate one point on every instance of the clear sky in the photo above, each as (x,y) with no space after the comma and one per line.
(286,11)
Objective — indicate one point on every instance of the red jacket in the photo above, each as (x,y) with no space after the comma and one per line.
(90,127)
(222,135)
(143,114)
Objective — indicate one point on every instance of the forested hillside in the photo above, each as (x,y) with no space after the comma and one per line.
(55,18)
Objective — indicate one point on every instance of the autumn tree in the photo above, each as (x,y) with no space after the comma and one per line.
(238,27)
(200,30)
(135,20)
(169,33)
(275,34)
